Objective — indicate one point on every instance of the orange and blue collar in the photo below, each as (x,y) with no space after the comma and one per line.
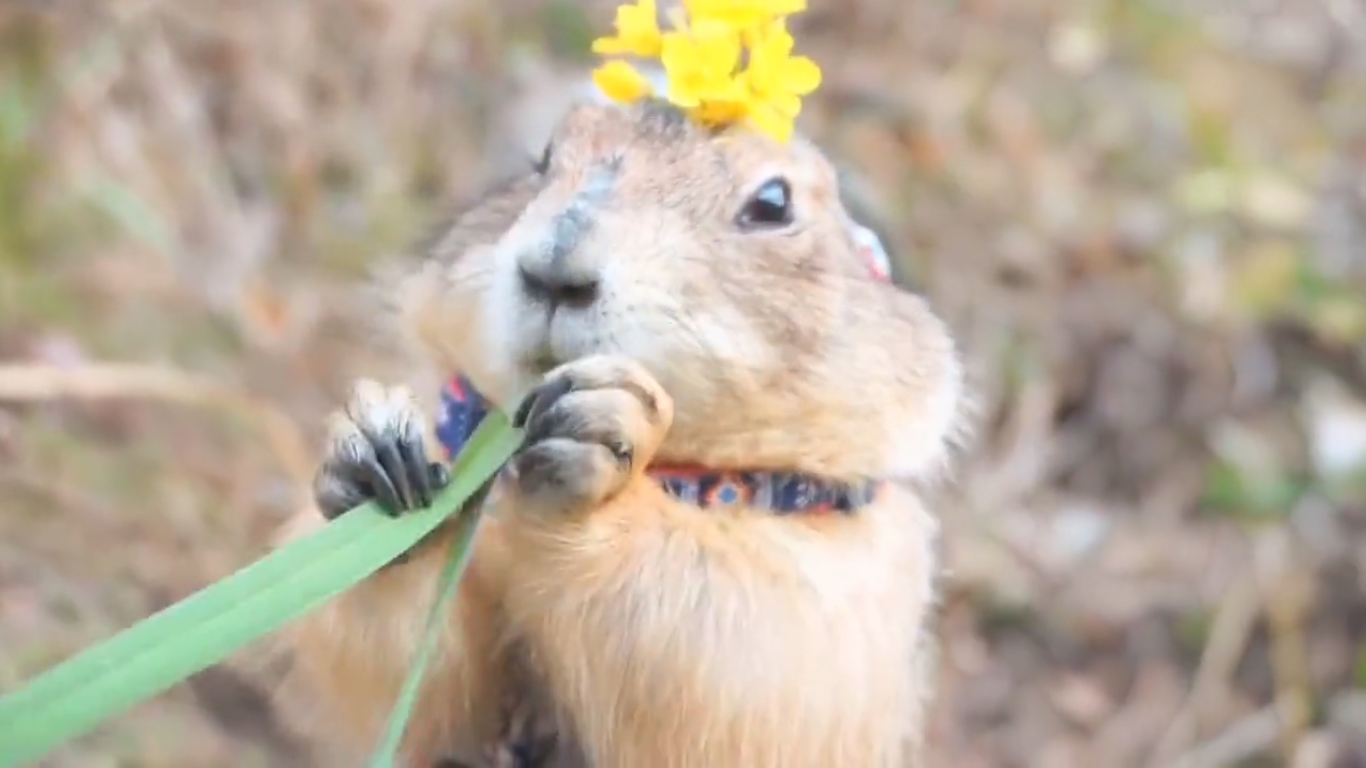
(782,493)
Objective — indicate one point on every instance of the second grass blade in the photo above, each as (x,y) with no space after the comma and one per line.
(203,629)
(461,549)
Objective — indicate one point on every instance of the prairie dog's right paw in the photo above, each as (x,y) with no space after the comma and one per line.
(375,452)
(590,426)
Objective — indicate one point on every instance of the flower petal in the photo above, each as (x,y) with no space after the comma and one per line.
(621,82)
(646,47)
(637,30)
(681,96)
(610,45)
(800,75)
(785,104)
(725,90)
(642,16)
(631,22)
(678,55)
(770,123)
(718,46)
(716,113)
(778,41)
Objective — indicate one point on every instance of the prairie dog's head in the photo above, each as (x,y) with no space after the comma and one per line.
(724,263)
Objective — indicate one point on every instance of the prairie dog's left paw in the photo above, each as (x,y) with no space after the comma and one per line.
(590,426)
(375,452)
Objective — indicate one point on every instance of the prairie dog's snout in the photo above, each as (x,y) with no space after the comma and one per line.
(558,280)
(561,278)
(556,268)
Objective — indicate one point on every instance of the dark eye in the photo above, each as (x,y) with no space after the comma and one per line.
(543,164)
(770,206)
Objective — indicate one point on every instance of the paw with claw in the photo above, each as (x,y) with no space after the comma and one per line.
(375,452)
(590,426)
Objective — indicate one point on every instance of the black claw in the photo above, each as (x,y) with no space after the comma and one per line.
(335,494)
(524,408)
(550,420)
(540,399)
(392,462)
(535,466)
(373,473)
(623,452)
(414,456)
(438,476)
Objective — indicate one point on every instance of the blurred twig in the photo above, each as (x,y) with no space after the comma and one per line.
(1238,742)
(1288,601)
(1228,638)
(36,382)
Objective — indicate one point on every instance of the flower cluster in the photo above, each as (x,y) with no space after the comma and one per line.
(726,61)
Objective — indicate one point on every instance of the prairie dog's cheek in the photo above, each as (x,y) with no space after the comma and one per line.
(922,434)
(509,328)
(697,349)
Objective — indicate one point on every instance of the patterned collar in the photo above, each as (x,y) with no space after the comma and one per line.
(783,493)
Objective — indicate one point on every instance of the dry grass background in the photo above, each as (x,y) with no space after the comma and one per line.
(1146,220)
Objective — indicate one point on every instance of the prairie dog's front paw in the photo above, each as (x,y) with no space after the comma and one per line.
(375,452)
(590,426)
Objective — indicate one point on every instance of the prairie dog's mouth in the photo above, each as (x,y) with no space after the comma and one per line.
(539,354)
(535,353)
(543,361)
(559,337)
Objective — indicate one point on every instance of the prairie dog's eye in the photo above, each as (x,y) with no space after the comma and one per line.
(543,164)
(770,206)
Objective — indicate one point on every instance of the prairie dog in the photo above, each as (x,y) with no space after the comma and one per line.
(710,551)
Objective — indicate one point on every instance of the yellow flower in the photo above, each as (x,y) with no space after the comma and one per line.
(621,82)
(717,112)
(701,62)
(775,76)
(767,120)
(701,53)
(742,14)
(776,80)
(637,31)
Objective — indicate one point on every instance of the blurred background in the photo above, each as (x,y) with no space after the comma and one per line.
(1145,219)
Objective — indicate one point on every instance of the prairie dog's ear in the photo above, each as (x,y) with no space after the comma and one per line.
(863,218)
(868,226)
(872,250)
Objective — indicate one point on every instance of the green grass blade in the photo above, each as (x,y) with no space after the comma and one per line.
(461,549)
(201,606)
(203,629)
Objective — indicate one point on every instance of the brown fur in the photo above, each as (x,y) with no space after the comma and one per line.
(667,635)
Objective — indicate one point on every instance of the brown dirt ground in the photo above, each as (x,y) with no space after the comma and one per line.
(1146,220)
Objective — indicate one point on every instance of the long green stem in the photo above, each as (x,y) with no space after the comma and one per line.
(144,660)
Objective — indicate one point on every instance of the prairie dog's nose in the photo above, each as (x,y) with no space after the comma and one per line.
(556,267)
(560,281)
